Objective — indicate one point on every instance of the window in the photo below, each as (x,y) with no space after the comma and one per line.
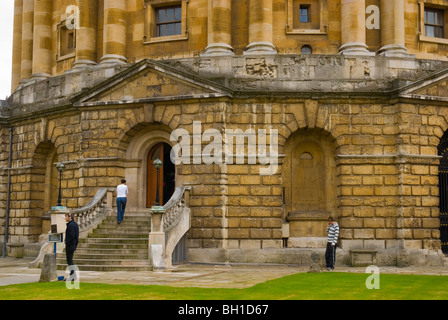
(307,17)
(168,21)
(165,21)
(66,41)
(305,13)
(434,23)
(306,49)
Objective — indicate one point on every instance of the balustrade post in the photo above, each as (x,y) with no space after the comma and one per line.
(58,224)
(157,239)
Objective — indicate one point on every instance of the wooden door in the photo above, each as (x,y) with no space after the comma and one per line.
(166,175)
(156,152)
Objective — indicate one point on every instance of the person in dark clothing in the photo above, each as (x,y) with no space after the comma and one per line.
(71,242)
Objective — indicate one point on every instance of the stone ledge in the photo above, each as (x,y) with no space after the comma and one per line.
(363,257)
(16,250)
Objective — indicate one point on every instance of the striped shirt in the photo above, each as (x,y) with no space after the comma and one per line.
(333,233)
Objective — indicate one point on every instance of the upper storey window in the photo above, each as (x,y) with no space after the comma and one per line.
(66,41)
(165,21)
(307,17)
(169,21)
(434,22)
(304,13)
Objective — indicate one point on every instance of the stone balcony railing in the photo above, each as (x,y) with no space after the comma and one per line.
(168,226)
(90,215)
(87,218)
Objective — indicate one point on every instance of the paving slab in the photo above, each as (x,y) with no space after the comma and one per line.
(16,271)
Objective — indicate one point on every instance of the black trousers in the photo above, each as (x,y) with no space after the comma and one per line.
(330,255)
(69,254)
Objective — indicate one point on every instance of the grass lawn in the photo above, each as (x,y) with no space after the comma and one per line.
(301,286)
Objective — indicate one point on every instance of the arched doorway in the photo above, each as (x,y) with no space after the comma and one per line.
(166,176)
(443,191)
(44,187)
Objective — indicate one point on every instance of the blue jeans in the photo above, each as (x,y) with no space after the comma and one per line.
(121,206)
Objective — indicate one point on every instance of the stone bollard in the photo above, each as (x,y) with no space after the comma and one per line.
(49,273)
(315,262)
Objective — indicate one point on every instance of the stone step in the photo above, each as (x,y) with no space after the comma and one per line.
(125,225)
(93,252)
(116,262)
(104,240)
(127,218)
(105,257)
(113,247)
(105,268)
(123,234)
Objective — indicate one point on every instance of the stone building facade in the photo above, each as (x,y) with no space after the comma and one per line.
(349,98)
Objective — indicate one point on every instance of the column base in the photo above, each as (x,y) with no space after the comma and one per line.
(355,49)
(218,49)
(40,76)
(82,64)
(113,59)
(394,50)
(260,47)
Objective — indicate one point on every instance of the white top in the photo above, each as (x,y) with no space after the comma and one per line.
(122,191)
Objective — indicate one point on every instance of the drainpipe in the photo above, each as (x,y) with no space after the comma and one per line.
(8,195)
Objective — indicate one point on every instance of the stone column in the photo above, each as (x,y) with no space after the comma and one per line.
(353,28)
(17,45)
(260,28)
(27,41)
(114,51)
(86,35)
(219,28)
(392,29)
(42,39)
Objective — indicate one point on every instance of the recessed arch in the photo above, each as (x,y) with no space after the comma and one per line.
(136,146)
(44,186)
(309,179)
(443,191)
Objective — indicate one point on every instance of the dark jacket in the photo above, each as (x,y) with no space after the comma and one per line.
(71,235)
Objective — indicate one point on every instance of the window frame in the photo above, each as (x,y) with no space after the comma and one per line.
(441,26)
(422,37)
(306,7)
(323,18)
(168,22)
(70,52)
(151,9)
(306,47)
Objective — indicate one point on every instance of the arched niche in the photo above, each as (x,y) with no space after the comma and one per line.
(310,186)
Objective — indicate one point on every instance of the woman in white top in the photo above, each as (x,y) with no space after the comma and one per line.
(122,191)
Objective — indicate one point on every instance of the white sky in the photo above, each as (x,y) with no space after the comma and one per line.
(6,28)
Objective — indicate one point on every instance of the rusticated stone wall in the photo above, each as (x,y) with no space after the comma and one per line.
(372,145)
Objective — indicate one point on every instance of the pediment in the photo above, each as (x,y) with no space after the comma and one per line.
(149,81)
(432,87)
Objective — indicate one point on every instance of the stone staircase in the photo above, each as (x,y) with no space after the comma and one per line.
(113,247)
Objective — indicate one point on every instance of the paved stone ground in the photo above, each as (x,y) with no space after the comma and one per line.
(16,271)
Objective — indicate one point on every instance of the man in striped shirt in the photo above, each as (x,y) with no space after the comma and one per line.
(333,234)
